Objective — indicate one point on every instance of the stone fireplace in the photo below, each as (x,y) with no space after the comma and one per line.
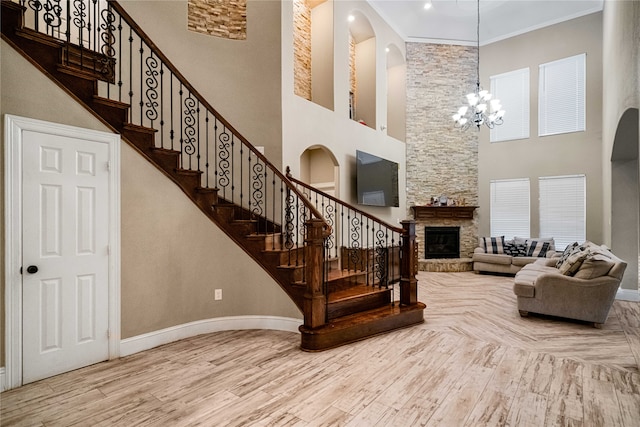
(440,159)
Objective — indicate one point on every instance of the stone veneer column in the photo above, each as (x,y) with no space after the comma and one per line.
(302,49)
(441,160)
(226,19)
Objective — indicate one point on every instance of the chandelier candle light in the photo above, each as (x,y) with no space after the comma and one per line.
(481,108)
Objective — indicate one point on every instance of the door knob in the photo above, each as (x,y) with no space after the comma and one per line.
(32,269)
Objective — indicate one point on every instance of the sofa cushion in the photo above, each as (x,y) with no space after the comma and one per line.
(594,266)
(573,262)
(492,258)
(537,248)
(574,247)
(493,245)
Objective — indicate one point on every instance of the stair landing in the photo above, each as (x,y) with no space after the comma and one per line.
(359,326)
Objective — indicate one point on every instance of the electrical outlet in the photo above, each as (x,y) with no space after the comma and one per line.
(217,295)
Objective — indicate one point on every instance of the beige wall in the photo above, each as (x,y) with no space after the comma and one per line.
(565,154)
(230,74)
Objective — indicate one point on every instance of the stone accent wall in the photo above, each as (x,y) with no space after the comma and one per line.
(220,18)
(441,160)
(302,49)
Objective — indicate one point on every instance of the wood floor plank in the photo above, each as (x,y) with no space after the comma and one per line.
(474,362)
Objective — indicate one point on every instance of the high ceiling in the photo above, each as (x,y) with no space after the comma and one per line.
(455,21)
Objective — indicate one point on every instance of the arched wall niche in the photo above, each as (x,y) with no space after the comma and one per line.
(313,51)
(625,196)
(363,69)
(396,92)
(320,169)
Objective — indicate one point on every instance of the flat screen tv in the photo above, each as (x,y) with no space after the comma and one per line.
(376,180)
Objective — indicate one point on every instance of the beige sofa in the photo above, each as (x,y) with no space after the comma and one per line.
(505,263)
(585,292)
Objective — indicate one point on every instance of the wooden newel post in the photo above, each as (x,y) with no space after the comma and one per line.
(409,266)
(314,299)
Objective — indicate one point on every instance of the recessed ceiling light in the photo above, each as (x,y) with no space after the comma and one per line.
(428,5)
(351,18)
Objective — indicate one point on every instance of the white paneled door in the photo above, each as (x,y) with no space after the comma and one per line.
(65,254)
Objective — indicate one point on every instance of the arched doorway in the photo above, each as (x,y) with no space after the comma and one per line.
(625,196)
(319,168)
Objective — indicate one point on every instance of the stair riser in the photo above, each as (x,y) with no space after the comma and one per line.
(115,116)
(358,304)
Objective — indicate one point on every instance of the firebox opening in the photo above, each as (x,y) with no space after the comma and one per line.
(442,242)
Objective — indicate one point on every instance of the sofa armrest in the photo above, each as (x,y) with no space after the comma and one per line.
(548,262)
(479,250)
(566,289)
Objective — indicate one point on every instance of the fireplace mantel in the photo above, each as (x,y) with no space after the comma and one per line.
(444,212)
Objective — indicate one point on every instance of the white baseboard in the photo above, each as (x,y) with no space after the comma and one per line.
(143,342)
(2,388)
(628,295)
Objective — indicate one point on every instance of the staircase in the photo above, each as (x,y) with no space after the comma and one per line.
(344,286)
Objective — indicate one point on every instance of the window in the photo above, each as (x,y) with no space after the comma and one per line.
(512,89)
(510,207)
(561,103)
(563,209)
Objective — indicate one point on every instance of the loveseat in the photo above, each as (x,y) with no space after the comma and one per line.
(497,255)
(580,284)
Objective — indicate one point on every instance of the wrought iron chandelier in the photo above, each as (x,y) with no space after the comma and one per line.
(481,108)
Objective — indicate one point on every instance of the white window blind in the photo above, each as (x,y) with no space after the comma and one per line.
(563,209)
(510,208)
(512,89)
(561,96)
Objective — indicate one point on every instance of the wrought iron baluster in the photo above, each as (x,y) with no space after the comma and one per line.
(380,261)
(130,75)
(108,40)
(80,22)
(120,82)
(52,16)
(233,187)
(288,222)
(141,102)
(206,148)
(223,162)
(258,190)
(188,139)
(172,132)
(151,91)
(36,6)
(161,105)
(241,176)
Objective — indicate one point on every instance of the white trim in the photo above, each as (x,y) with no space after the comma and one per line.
(150,340)
(2,380)
(628,294)
(14,127)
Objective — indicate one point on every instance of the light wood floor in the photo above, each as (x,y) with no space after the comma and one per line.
(473,362)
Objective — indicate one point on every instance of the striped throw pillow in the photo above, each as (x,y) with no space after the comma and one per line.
(537,249)
(493,245)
